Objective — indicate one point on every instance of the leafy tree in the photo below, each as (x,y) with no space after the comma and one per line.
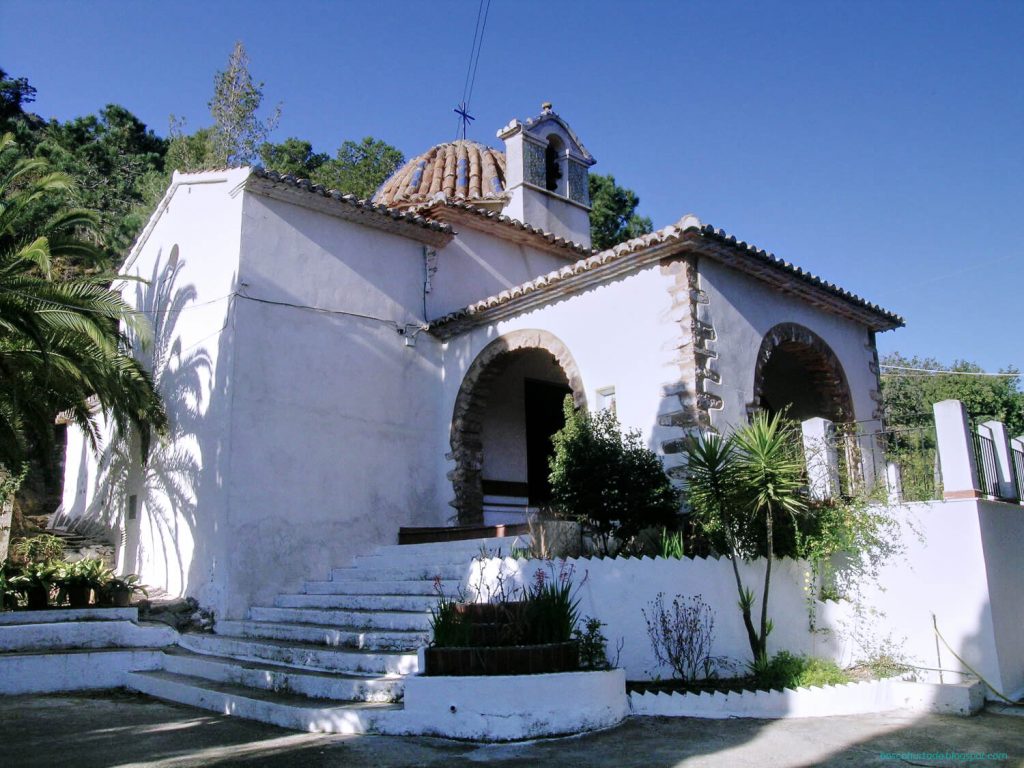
(613,217)
(293,156)
(754,476)
(15,93)
(908,396)
(63,343)
(237,132)
(360,167)
(114,159)
(189,152)
(607,480)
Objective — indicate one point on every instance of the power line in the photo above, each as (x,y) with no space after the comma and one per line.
(939,371)
(102,313)
(482,11)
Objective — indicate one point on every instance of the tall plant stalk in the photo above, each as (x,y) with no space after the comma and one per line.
(732,482)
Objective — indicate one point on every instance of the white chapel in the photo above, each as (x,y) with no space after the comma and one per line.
(337,369)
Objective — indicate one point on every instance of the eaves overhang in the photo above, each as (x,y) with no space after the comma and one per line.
(688,236)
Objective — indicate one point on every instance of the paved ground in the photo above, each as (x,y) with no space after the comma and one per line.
(119,729)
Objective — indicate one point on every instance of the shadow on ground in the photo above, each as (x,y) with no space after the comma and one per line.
(112,728)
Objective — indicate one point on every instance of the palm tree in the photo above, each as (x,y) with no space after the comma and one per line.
(64,345)
(734,482)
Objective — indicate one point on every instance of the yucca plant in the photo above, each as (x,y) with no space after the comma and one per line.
(733,483)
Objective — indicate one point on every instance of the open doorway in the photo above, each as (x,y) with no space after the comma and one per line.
(509,406)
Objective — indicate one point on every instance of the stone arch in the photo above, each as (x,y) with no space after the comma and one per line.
(472,398)
(792,348)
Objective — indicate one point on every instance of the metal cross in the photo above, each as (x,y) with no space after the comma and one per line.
(464,116)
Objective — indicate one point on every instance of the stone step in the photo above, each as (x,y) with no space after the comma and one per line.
(470,547)
(410,572)
(286,710)
(315,684)
(83,634)
(418,603)
(359,638)
(330,617)
(59,615)
(308,655)
(427,587)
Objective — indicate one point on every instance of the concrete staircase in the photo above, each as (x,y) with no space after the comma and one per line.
(331,658)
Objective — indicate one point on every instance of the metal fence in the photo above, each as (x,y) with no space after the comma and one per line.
(903,461)
(985,455)
(1017,461)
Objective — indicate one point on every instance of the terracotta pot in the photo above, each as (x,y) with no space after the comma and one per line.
(510,660)
(78,595)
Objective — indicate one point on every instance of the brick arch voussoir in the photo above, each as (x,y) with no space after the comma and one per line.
(471,400)
(820,357)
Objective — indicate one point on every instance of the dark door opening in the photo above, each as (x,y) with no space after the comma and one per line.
(544,417)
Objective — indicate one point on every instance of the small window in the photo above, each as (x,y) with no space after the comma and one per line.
(605,400)
(553,163)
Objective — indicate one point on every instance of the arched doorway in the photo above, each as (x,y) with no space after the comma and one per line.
(798,371)
(507,408)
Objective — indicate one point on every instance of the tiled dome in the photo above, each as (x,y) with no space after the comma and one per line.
(462,170)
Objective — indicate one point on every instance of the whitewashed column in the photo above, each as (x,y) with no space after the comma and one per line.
(894,482)
(822,458)
(1003,468)
(956,451)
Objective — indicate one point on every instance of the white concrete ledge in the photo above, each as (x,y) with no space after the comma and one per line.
(73,670)
(59,615)
(963,697)
(84,634)
(510,708)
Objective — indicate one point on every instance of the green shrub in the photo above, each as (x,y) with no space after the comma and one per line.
(787,670)
(593,645)
(607,480)
(43,548)
(822,672)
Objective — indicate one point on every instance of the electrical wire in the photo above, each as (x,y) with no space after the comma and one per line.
(87,310)
(401,328)
(938,371)
(482,11)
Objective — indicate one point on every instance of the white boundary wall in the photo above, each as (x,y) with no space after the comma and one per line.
(960,563)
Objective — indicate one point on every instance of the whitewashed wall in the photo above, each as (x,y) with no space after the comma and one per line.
(742,310)
(620,334)
(961,562)
(179,493)
(332,413)
(476,265)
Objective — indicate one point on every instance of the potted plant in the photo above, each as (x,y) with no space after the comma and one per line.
(36,581)
(8,594)
(530,635)
(77,580)
(118,591)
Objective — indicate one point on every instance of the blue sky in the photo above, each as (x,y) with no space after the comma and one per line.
(877,144)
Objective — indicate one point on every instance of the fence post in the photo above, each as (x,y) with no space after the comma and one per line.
(956,451)
(894,482)
(1017,461)
(821,456)
(1004,470)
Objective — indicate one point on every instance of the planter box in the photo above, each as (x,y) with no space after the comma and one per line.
(957,694)
(960,695)
(508,660)
(504,708)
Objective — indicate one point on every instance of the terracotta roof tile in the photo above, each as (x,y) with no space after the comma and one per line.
(689,227)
